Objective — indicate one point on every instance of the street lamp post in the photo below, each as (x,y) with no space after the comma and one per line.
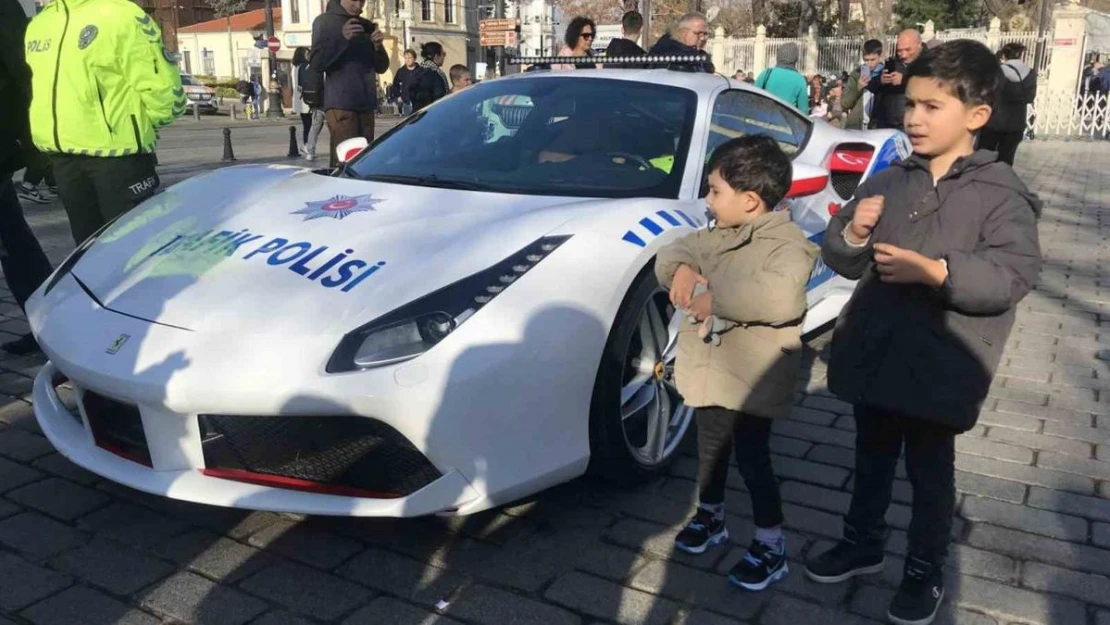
(275,94)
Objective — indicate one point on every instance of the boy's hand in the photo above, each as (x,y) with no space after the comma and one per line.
(682,286)
(898,266)
(867,215)
(702,306)
(352,28)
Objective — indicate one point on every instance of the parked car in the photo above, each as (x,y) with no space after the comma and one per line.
(462,314)
(199,94)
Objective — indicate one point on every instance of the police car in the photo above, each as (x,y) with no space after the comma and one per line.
(462,314)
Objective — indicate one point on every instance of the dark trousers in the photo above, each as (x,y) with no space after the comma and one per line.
(96,190)
(720,431)
(930,459)
(39,168)
(1005,143)
(343,125)
(22,259)
(306,121)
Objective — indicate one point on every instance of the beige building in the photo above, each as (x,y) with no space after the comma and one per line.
(226,48)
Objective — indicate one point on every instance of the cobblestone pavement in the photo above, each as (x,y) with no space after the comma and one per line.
(1032,538)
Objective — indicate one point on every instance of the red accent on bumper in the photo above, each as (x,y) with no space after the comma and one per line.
(292,483)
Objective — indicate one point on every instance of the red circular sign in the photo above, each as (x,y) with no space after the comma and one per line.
(340,205)
(274,44)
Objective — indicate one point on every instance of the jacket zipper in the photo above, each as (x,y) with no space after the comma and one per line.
(103,111)
(57,73)
(135,127)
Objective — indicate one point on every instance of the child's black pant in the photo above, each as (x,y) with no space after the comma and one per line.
(930,458)
(721,430)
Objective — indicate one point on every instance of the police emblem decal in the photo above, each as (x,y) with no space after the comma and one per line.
(117,344)
(88,34)
(337,207)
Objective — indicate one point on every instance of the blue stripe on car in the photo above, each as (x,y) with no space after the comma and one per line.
(821,272)
(686,218)
(633,239)
(651,226)
(667,218)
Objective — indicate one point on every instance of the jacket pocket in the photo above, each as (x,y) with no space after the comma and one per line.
(138,135)
(103,110)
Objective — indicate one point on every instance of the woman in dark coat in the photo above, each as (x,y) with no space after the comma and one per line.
(430,83)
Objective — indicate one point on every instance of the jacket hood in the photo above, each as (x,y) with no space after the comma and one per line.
(1020,67)
(983,166)
(335,8)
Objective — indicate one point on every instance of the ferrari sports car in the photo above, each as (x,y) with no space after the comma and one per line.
(460,315)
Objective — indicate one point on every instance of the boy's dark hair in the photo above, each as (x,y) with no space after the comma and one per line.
(754,163)
(457,71)
(968,69)
(632,22)
(1013,50)
(431,50)
(873,46)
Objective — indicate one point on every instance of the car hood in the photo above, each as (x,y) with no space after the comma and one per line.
(198,89)
(264,249)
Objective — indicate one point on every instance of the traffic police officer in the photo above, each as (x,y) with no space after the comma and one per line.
(103,84)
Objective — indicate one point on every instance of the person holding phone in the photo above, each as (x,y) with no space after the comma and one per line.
(856,99)
(889,107)
(347,49)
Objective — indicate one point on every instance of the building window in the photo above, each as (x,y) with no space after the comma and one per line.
(208,59)
(295,9)
(449,11)
(427,13)
(188,62)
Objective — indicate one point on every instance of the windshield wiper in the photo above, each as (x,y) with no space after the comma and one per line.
(431,180)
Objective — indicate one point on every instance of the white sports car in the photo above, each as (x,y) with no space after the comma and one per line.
(462,314)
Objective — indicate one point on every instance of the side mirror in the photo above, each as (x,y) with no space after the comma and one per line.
(808,180)
(350,148)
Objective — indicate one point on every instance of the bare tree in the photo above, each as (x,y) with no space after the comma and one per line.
(225,9)
(759,13)
(876,17)
(844,15)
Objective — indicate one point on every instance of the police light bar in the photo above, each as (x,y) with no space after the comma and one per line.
(604,60)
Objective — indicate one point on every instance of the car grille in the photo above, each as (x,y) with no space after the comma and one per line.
(845,183)
(117,427)
(348,455)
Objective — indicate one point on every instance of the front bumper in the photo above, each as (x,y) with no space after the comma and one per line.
(175,440)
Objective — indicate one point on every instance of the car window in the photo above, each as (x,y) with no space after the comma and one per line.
(188,80)
(737,113)
(585,137)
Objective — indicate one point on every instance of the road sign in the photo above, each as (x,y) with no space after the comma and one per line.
(494,39)
(274,44)
(490,26)
(1063,43)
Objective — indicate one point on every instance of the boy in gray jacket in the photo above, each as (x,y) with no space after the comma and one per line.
(944,246)
(755,265)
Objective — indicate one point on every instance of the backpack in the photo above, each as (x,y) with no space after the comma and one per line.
(311,84)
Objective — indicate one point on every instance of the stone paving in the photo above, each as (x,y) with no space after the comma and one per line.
(1032,541)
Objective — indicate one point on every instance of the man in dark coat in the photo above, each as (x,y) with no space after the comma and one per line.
(24,263)
(348,50)
(1006,127)
(689,40)
(890,90)
(624,46)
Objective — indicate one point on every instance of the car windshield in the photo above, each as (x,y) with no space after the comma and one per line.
(586,137)
(189,80)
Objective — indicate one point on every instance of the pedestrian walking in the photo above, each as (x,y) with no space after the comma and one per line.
(24,264)
(347,50)
(311,87)
(689,39)
(944,246)
(430,83)
(402,83)
(739,367)
(890,89)
(256,96)
(100,133)
(1009,117)
(857,99)
(300,108)
(784,81)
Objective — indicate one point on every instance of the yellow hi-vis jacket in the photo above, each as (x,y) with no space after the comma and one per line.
(102,82)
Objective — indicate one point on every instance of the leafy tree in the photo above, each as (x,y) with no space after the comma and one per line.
(945,14)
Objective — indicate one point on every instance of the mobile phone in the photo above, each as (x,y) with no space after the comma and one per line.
(373,27)
(864,70)
(889,65)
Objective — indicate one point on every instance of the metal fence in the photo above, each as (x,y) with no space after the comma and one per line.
(1055,115)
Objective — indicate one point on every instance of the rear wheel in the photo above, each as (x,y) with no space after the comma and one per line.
(637,416)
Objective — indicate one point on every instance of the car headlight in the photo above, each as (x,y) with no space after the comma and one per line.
(74,256)
(419,325)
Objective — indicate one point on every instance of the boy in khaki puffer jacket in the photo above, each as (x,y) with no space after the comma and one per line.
(755,265)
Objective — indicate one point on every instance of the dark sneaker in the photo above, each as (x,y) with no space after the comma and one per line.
(919,596)
(760,567)
(701,532)
(22,346)
(845,561)
(31,194)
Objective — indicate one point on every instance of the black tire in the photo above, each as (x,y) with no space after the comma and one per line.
(610,457)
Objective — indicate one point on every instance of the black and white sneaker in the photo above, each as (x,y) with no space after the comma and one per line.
(762,566)
(31,194)
(703,531)
(919,596)
(845,561)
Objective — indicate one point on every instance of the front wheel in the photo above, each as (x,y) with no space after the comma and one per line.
(637,416)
